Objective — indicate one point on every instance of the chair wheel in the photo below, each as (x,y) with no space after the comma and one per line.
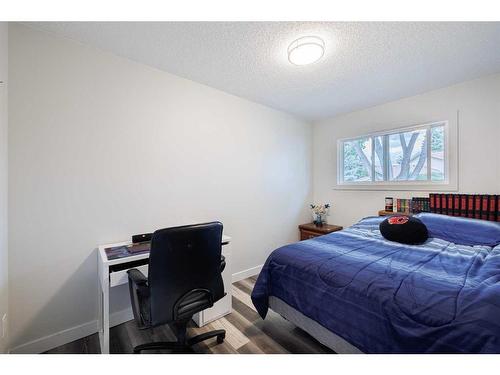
(220,339)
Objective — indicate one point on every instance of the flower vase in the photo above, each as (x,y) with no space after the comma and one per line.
(318,221)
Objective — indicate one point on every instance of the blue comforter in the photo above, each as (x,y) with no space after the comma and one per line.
(385,297)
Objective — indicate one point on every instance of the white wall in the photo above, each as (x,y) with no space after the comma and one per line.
(101,148)
(3,177)
(478,103)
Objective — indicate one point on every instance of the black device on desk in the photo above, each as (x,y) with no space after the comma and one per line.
(145,237)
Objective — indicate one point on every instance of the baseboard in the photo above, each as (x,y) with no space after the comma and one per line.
(71,334)
(246,273)
(56,339)
(121,317)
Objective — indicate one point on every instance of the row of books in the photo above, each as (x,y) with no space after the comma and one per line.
(413,205)
(421,205)
(403,205)
(485,207)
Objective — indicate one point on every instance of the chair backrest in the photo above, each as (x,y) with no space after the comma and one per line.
(183,259)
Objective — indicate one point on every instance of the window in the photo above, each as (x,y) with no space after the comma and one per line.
(416,155)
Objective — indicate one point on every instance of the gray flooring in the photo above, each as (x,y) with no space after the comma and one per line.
(246,333)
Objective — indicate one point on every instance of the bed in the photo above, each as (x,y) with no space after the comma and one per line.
(356,292)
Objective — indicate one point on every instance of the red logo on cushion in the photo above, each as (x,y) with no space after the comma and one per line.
(398,220)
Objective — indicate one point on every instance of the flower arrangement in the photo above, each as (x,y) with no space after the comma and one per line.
(319,211)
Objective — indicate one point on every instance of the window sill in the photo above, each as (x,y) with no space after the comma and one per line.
(447,187)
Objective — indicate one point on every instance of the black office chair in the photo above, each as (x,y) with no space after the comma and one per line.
(185,266)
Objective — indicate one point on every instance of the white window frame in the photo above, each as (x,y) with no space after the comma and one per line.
(416,184)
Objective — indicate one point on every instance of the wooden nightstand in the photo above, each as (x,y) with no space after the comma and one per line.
(310,230)
(386,213)
(389,213)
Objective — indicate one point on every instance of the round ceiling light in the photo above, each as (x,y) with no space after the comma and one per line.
(306,50)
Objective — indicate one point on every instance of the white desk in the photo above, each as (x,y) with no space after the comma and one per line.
(109,278)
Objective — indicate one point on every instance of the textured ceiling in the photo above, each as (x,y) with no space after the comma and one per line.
(365,64)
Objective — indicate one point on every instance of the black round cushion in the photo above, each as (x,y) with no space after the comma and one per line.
(404,229)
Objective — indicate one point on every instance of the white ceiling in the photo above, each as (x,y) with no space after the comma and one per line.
(365,64)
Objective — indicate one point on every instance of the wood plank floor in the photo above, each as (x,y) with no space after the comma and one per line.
(246,333)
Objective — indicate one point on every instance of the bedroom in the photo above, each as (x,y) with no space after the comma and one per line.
(123,138)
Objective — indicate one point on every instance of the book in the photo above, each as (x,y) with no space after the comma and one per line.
(432,202)
(493,209)
(427,205)
(456,205)
(438,204)
(498,207)
(477,206)
(449,204)
(463,205)
(485,209)
(470,205)
(444,204)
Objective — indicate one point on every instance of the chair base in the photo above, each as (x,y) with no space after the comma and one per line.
(182,347)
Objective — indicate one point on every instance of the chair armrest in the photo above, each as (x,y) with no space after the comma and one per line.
(139,296)
(222,263)
(137,277)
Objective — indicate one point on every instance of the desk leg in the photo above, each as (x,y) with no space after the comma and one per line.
(103,317)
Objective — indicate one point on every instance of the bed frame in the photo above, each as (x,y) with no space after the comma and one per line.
(313,328)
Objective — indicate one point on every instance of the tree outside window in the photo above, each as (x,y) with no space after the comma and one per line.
(396,156)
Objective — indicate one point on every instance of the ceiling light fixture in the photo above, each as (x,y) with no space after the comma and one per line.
(306,50)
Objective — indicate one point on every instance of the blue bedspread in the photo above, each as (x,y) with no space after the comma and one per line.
(385,297)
